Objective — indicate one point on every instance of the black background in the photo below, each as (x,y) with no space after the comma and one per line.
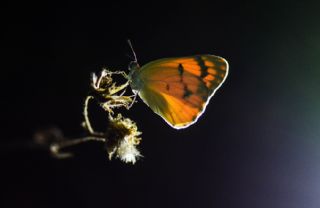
(257,145)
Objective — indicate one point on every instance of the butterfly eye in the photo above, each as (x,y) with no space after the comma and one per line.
(133,66)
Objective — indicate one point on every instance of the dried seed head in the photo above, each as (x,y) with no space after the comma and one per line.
(123,138)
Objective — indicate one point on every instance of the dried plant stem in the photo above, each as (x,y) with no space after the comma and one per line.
(121,136)
(86,115)
(57,147)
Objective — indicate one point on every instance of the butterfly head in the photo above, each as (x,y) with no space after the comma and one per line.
(133,69)
(135,82)
(133,66)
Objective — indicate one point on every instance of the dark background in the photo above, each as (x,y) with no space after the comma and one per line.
(257,145)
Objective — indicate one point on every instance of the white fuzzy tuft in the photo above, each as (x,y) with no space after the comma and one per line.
(128,152)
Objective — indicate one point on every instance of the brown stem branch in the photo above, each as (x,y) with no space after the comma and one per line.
(56,148)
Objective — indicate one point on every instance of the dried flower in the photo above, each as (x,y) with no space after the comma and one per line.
(122,135)
(123,138)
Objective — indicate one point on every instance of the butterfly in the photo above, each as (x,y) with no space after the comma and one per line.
(178,89)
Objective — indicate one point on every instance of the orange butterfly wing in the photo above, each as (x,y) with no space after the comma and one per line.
(178,89)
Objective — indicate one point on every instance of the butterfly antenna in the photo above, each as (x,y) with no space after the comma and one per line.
(134,54)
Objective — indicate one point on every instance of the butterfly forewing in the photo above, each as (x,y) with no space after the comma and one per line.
(178,89)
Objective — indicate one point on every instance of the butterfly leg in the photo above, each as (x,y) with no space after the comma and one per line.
(113,89)
(133,100)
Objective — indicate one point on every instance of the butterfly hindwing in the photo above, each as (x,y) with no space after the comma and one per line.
(178,89)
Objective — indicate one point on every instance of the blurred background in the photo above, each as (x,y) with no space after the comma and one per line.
(256,146)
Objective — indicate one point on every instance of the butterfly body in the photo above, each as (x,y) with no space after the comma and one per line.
(178,89)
